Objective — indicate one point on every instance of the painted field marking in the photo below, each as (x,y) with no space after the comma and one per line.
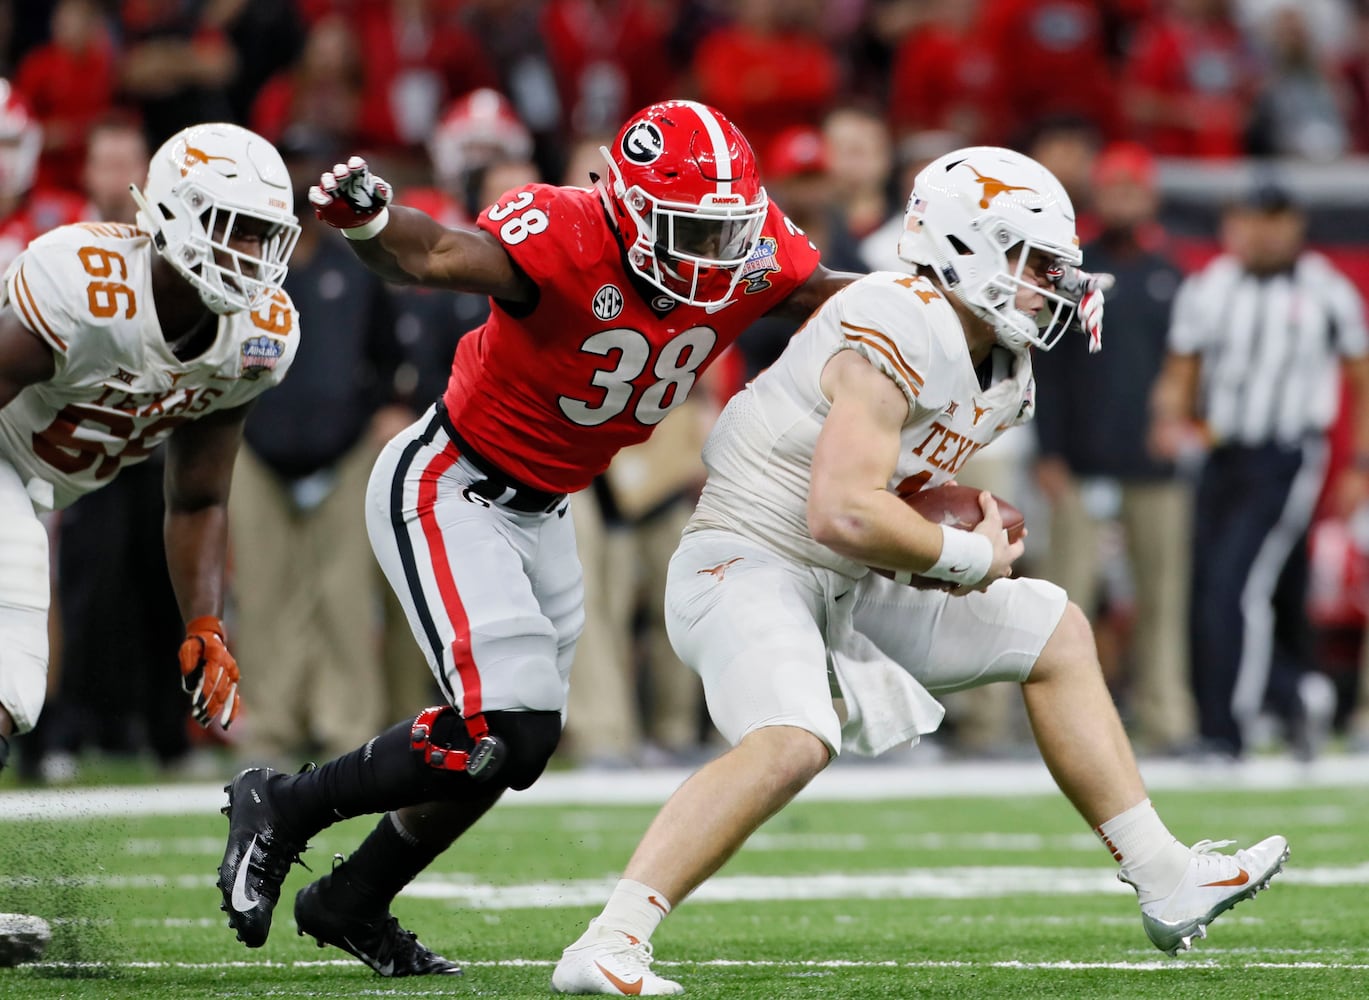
(1153,965)
(843,782)
(950,882)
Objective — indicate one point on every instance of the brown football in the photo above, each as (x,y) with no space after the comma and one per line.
(958,506)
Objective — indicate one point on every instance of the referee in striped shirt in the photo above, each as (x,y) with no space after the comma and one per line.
(1257,344)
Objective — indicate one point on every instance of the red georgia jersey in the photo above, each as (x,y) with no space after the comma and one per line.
(551,391)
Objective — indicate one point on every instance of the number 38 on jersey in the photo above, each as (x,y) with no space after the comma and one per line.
(633,381)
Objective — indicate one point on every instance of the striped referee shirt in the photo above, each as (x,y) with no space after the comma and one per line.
(1270,346)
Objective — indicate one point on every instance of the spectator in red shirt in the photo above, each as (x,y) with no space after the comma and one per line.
(417,57)
(769,69)
(1052,60)
(609,57)
(1354,74)
(1191,81)
(945,78)
(68,84)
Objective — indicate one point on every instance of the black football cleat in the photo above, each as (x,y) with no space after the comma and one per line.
(258,857)
(377,940)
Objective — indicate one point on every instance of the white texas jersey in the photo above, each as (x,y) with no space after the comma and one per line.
(118,391)
(760,454)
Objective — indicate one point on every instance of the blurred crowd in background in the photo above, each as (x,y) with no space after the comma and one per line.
(1151,112)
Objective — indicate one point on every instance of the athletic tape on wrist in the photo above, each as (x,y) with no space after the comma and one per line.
(965,557)
(369,230)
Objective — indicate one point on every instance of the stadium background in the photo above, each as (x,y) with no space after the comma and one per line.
(1265,85)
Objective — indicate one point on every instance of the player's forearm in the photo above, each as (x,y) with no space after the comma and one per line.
(196,554)
(403,251)
(875,528)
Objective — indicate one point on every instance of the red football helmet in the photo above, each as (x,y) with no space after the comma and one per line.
(21,140)
(477,129)
(685,193)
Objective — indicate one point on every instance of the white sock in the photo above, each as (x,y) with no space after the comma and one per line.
(1153,860)
(633,909)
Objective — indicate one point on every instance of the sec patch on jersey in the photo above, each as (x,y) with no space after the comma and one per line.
(958,507)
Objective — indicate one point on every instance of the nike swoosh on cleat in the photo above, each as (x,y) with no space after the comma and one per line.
(1240,879)
(242,900)
(657,903)
(388,969)
(627,989)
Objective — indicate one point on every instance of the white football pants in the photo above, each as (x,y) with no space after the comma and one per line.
(494,597)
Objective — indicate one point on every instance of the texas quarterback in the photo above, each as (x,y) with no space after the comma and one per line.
(890,386)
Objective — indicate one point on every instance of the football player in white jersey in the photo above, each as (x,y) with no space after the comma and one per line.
(890,388)
(115,338)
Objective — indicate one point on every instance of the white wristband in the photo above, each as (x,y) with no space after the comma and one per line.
(965,557)
(369,230)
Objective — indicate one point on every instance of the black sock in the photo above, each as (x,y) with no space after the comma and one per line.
(388,859)
(381,775)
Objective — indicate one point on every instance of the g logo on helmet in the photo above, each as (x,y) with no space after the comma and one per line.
(643,143)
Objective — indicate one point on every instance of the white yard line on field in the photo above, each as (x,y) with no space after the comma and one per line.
(843,782)
(1153,965)
(959,882)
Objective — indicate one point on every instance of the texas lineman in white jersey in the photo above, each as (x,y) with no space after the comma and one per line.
(114,339)
(889,388)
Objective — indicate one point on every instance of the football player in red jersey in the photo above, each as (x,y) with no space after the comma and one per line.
(607,304)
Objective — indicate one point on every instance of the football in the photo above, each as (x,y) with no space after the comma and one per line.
(958,506)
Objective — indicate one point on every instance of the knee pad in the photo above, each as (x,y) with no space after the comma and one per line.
(528,740)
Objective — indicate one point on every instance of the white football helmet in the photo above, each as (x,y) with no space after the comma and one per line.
(21,141)
(201,183)
(974,217)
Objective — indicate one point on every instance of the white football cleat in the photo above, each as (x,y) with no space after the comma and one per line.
(1213,884)
(611,962)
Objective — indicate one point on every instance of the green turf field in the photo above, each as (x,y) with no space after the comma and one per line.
(959,897)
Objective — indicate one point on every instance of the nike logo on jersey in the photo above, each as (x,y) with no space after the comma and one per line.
(716,307)
(388,969)
(243,900)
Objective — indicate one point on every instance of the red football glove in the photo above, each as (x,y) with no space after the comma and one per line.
(1088,291)
(209,674)
(349,196)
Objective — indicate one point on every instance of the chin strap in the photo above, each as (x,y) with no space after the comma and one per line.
(481,761)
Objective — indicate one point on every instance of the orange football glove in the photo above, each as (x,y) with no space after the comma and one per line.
(209,674)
